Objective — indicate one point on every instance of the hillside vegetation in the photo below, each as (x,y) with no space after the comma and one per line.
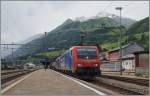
(104,31)
(139,32)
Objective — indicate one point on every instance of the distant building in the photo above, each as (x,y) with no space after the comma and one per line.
(142,63)
(128,58)
(114,54)
(133,64)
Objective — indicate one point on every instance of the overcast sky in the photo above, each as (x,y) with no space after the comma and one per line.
(23,19)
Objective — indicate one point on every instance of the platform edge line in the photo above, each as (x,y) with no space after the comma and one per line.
(15,83)
(84,85)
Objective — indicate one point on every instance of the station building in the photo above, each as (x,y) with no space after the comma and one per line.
(134,59)
(142,63)
(130,48)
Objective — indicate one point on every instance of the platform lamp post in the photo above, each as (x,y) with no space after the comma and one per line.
(120,9)
(0,53)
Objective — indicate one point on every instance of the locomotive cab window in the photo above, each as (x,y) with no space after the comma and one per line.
(86,53)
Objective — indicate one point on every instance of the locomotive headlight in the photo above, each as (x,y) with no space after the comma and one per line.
(95,65)
(79,65)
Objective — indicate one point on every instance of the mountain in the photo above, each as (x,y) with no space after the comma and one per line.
(104,14)
(101,29)
(124,21)
(90,23)
(31,38)
(20,49)
(4,52)
(140,26)
(139,32)
(81,19)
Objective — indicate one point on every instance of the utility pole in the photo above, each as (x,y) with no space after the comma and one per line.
(120,9)
(45,41)
(0,53)
(127,37)
(12,50)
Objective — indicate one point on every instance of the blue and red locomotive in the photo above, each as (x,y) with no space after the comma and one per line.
(80,60)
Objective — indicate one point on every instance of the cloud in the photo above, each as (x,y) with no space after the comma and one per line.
(23,19)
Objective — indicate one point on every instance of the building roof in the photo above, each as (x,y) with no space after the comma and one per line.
(124,46)
(141,52)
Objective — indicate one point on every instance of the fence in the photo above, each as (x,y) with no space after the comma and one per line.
(110,66)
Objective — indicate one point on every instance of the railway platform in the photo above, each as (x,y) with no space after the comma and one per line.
(49,83)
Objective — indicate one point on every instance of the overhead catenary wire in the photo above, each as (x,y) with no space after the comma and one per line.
(128,5)
(125,6)
(108,6)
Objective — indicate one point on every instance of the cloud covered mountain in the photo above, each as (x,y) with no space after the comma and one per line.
(96,28)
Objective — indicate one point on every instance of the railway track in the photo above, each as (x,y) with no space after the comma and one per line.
(118,90)
(138,81)
(11,75)
(120,87)
(10,72)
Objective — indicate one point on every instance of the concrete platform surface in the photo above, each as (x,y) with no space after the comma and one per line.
(48,82)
